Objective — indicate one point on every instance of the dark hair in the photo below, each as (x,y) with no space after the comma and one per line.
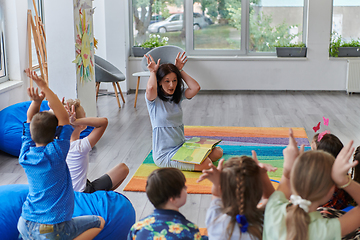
(331,144)
(164,70)
(43,127)
(241,191)
(355,174)
(163,184)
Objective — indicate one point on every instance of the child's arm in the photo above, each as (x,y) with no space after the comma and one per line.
(213,174)
(268,188)
(100,125)
(54,101)
(193,85)
(151,87)
(36,99)
(351,220)
(291,152)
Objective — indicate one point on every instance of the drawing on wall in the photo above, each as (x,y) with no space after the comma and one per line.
(84,43)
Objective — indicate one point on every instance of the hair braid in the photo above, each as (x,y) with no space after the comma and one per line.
(240,187)
(241,191)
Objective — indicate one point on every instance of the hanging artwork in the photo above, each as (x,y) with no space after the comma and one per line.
(84,40)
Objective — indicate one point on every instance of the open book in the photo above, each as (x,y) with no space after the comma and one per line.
(195,150)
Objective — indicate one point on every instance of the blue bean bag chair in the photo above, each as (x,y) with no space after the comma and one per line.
(11,122)
(115,208)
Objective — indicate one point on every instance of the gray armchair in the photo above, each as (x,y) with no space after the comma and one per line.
(106,72)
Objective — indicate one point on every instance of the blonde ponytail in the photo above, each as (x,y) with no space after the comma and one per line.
(311,180)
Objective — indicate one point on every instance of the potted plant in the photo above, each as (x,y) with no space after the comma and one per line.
(152,42)
(291,50)
(339,48)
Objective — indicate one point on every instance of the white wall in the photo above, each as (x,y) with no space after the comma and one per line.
(60,43)
(111,29)
(316,72)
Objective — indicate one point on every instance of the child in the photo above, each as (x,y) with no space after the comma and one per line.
(310,179)
(332,144)
(48,209)
(238,186)
(166,190)
(164,93)
(315,142)
(78,156)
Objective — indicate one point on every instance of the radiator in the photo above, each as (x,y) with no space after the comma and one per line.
(353,76)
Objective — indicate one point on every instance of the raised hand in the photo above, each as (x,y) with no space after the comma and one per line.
(264,166)
(213,174)
(180,60)
(342,165)
(152,66)
(35,96)
(38,80)
(72,113)
(291,152)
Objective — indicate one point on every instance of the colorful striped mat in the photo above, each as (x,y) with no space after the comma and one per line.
(236,141)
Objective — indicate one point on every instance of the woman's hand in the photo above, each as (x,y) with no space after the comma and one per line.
(180,61)
(152,66)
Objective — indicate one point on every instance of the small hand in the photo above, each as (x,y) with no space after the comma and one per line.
(152,66)
(342,165)
(213,174)
(39,80)
(180,61)
(72,113)
(264,166)
(291,152)
(35,96)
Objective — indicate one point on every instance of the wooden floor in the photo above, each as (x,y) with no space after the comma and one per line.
(128,136)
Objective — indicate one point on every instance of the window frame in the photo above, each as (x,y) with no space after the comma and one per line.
(3,71)
(245,25)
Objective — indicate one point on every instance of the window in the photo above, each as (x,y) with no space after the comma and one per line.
(346,19)
(3,71)
(222,27)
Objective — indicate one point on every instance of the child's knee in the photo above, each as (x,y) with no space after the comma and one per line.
(124,168)
(102,222)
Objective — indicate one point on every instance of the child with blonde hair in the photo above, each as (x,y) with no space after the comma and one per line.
(78,156)
(238,186)
(309,180)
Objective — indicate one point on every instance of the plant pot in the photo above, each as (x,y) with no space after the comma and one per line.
(140,51)
(349,52)
(291,51)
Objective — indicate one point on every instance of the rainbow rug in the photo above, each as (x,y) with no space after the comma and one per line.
(236,141)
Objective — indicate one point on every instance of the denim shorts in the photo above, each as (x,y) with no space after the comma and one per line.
(65,230)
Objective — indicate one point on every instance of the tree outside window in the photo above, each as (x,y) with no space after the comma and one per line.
(221,27)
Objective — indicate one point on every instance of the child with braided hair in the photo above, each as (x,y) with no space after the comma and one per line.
(238,186)
(310,179)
